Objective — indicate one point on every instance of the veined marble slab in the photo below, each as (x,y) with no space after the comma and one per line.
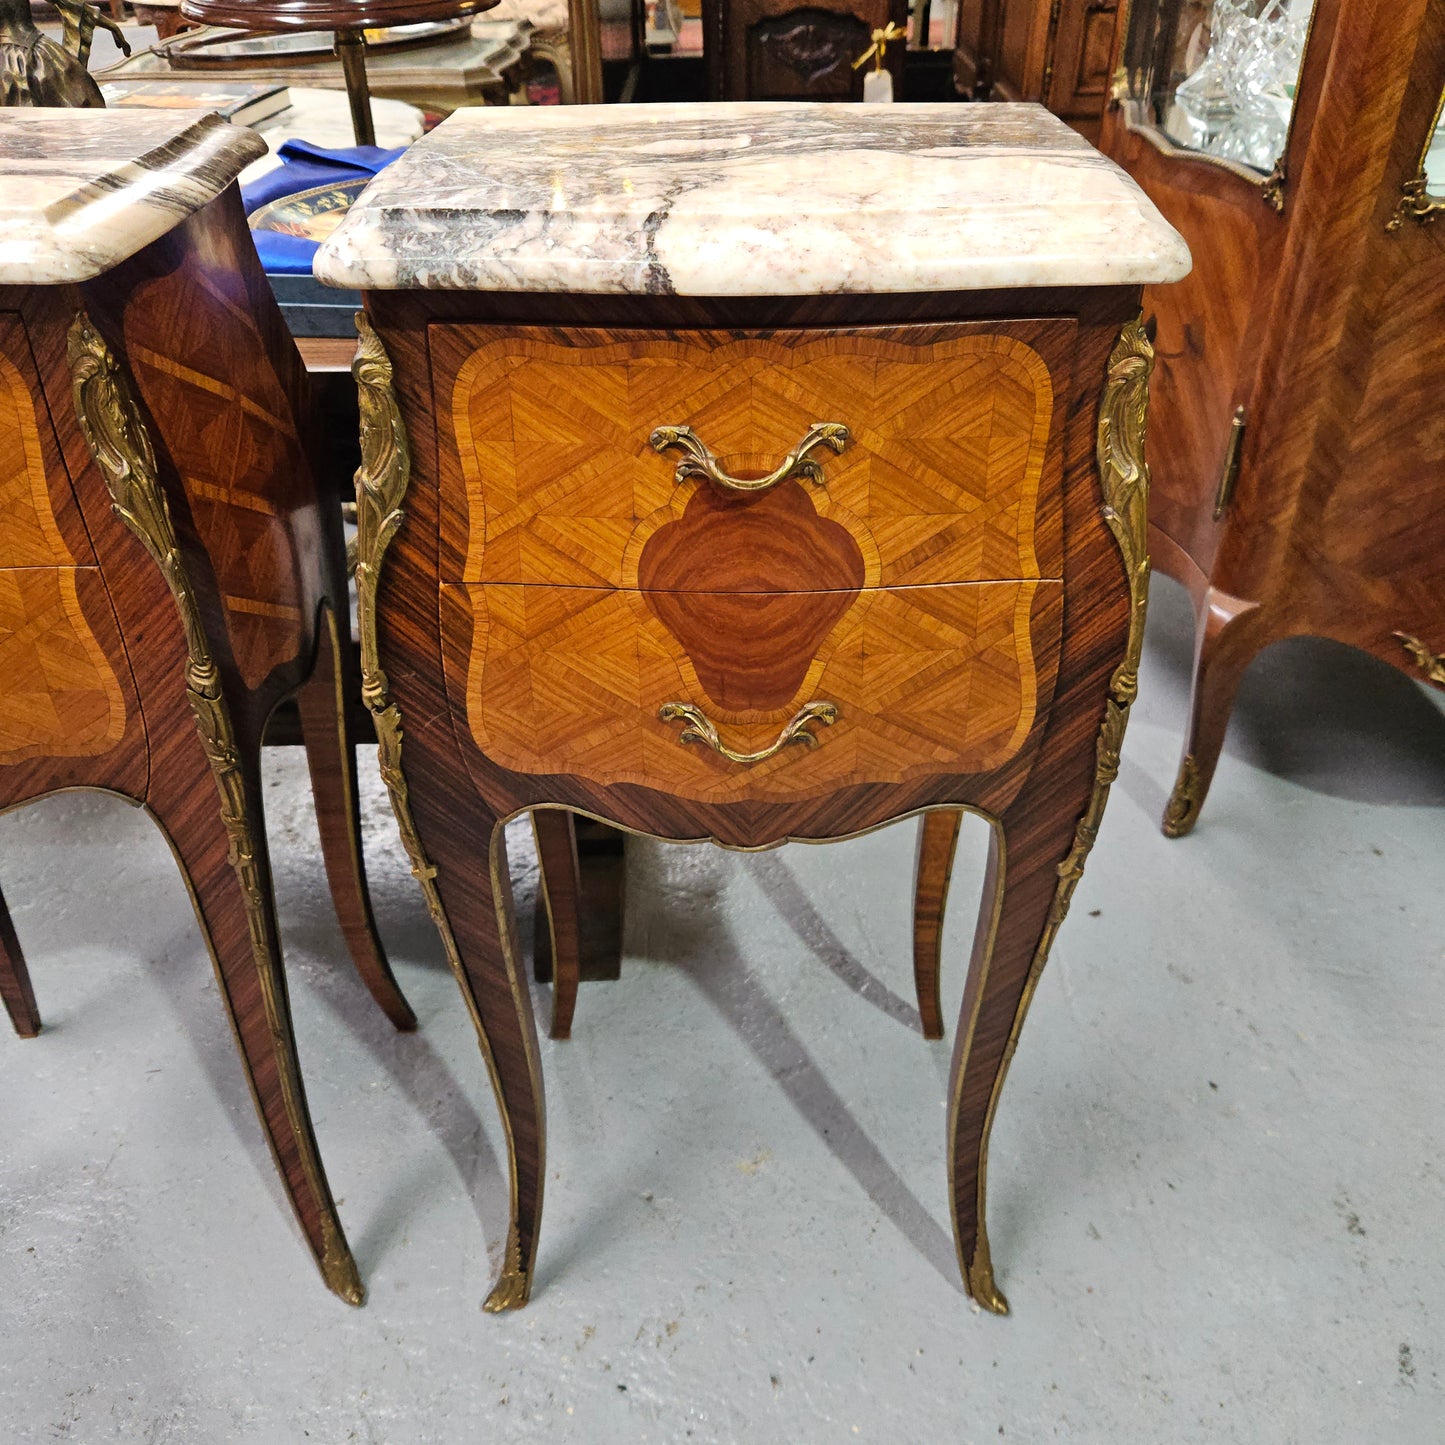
(83,190)
(736,199)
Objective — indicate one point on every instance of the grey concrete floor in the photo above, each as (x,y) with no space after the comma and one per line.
(1217,1196)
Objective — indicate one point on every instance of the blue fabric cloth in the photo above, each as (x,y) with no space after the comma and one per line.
(284,255)
(305,165)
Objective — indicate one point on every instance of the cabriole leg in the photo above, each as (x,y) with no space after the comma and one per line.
(15,987)
(229,878)
(324,704)
(561,883)
(1226,640)
(937,843)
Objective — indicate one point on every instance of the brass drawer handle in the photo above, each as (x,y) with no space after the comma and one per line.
(698,461)
(701,729)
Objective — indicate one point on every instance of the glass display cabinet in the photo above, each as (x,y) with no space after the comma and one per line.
(1295,435)
(1218,77)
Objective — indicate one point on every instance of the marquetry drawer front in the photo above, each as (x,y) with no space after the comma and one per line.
(40,525)
(61,696)
(899,456)
(891,684)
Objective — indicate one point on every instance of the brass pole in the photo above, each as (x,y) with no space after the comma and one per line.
(351,50)
(584,33)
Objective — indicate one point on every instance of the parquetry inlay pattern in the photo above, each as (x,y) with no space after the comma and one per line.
(29,536)
(941,482)
(61,697)
(926,679)
(229,430)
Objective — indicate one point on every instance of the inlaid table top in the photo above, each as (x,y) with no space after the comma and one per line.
(734,199)
(83,190)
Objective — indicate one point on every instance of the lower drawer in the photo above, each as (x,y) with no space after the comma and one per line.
(61,662)
(891,683)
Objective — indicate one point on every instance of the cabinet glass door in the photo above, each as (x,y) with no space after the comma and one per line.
(1218,76)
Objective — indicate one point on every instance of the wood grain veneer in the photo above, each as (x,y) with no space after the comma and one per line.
(471,562)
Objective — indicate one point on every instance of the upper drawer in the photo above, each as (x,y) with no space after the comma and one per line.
(950,471)
(40,524)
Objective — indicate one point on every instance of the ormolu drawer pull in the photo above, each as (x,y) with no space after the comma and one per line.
(698,461)
(701,729)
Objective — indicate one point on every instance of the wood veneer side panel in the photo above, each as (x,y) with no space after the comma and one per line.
(408,627)
(1364,560)
(1207,330)
(230,406)
(1317,348)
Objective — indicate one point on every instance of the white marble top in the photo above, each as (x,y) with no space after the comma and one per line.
(83,190)
(738,199)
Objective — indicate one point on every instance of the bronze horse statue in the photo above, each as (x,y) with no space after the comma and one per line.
(34,70)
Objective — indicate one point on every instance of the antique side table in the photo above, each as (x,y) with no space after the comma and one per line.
(752,472)
(171,564)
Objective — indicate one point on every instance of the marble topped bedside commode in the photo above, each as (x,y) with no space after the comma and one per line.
(752,473)
(171,558)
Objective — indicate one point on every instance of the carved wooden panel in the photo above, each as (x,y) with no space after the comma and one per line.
(795,49)
(1083,50)
(926,680)
(61,697)
(39,524)
(227,424)
(951,473)
(807,54)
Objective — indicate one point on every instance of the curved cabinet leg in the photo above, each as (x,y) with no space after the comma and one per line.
(937,842)
(324,705)
(447,829)
(1035,858)
(15,989)
(228,873)
(561,883)
(472,908)
(205,791)
(1226,639)
(1044,837)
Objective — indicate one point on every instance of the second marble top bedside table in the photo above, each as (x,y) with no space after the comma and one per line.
(752,473)
(172,561)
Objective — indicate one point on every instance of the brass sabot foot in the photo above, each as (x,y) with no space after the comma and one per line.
(514,1288)
(339,1271)
(1181,812)
(512,1291)
(986,1294)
